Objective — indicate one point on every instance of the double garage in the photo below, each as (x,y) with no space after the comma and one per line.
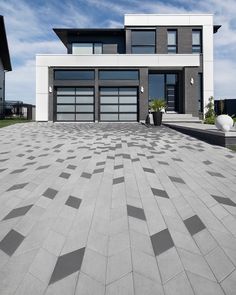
(78,104)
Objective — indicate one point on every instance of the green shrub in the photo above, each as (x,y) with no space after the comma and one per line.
(210,113)
(158,105)
(210,120)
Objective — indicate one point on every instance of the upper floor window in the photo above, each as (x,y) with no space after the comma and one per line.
(143,41)
(172,41)
(86,48)
(196,41)
(74,75)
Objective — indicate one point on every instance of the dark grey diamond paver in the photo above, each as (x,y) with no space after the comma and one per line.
(163,163)
(58,146)
(126,156)
(150,157)
(86,175)
(67,264)
(87,157)
(100,163)
(43,167)
(148,170)
(136,212)
(17,186)
(100,170)
(135,160)
(71,167)
(159,193)
(118,167)
(18,212)
(65,175)
(118,180)
(194,224)
(177,160)
(71,157)
(30,163)
(161,242)
(31,158)
(1,170)
(224,201)
(50,193)
(176,179)
(18,171)
(217,174)
(60,160)
(110,157)
(11,242)
(73,202)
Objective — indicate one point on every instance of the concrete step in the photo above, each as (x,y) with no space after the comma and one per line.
(173,117)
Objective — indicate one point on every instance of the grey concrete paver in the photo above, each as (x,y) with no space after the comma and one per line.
(108,189)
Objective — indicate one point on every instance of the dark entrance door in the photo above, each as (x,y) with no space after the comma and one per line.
(171,97)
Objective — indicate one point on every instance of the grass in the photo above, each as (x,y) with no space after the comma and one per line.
(233,148)
(11,121)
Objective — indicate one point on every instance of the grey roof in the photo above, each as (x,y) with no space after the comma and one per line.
(4,51)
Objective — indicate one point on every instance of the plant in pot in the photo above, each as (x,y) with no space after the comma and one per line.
(158,107)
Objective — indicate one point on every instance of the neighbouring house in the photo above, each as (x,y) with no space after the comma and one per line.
(5,64)
(16,108)
(112,74)
(226,106)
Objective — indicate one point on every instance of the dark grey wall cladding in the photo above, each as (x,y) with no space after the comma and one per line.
(191,91)
(116,41)
(184,38)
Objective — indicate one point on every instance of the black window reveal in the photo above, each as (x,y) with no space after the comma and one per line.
(74,75)
(118,75)
(143,41)
(200,92)
(196,41)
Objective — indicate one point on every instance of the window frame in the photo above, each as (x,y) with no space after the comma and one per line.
(117,78)
(172,46)
(150,45)
(197,48)
(93,47)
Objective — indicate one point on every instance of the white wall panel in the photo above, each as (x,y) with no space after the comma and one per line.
(41,107)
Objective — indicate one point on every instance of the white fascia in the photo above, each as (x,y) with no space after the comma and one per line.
(204,20)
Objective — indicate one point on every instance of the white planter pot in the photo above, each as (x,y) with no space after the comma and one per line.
(224,123)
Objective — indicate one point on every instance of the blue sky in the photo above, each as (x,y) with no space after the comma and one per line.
(29,26)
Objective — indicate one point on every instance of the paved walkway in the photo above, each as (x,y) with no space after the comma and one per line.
(115,209)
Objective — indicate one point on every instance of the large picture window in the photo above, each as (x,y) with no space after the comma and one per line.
(143,41)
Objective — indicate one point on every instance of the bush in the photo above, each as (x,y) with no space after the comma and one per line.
(210,113)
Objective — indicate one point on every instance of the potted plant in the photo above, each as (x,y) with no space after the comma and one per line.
(158,107)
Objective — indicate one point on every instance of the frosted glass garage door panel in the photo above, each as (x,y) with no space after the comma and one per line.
(65,91)
(65,117)
(109,117)
(65,108)
(109,99)
(128,117)
(84,117)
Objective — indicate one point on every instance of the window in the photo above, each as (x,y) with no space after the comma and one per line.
(143,42)
(86,48)
(118,75)
(156,86)
(196,41)
(172,41)
(74,75)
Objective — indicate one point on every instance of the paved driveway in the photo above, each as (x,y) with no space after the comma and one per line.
(115,209)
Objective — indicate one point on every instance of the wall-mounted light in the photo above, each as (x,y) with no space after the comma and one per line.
(192,81)
(50,89)
(142,89)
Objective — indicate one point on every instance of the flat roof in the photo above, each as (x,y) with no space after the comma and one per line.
(4,51)
(63,33)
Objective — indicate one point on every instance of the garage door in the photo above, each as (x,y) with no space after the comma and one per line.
(118,104)
(74,104)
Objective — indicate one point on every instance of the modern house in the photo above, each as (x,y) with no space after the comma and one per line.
(112,74)
(5,64)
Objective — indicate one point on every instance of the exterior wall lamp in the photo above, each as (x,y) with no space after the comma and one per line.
(191,81)
(142,89)
(50,89)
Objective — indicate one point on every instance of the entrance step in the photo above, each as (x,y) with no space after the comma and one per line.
(173,117)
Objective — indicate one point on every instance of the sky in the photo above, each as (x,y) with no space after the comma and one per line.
(29,26)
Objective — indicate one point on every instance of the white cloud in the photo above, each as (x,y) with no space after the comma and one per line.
(29,31)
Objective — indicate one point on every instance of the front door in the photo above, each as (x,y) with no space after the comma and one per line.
(171,97)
